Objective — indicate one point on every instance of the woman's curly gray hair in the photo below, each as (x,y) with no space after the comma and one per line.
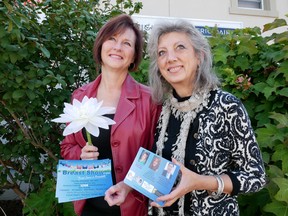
(205,78)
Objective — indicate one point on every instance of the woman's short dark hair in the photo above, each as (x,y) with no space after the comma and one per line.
(114,26)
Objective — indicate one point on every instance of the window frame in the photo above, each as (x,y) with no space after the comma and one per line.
(269,9)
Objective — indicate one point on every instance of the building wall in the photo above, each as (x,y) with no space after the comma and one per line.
(213,10)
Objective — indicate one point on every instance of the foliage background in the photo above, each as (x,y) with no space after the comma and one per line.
(41,63)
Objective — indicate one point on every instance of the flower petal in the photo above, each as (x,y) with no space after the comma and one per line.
(108,120)
(96,105)
(85,99)
(71,111)
(74,127)
(76,103)
(67,131)
(106,110)
(60,120)
(99,122)
(92,130)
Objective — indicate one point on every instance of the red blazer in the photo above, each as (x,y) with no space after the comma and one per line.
(136,117)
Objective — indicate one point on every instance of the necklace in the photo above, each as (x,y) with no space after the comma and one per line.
(192,106)
(187,112)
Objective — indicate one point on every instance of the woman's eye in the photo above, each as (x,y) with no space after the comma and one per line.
(127,43)
(161,53)
(180,46)
(112,38)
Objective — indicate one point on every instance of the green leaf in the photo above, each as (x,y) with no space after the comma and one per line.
(262,117)
(19,79)
(68,209)
(282,37)
(283,69)
(276,207)
(221,54)
(45,51)
(282,194)
(275,24)
(270,135)
(31,95)
(12,48)
(259,86)
(280,154)
(258,199)
(13,57)
(274,172)
(283,92)
(18,94)
(277,56)
(242,62)
(8,6)
(43,201)
(247,46)
(266,157)
(46,80)
(268,91)
(281,118)
(32,38)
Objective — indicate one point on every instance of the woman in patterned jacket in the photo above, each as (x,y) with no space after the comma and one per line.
(203,129)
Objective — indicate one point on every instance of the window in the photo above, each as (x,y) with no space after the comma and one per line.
(254,7)
(252,4)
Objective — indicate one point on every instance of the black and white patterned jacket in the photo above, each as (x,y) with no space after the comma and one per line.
(221,140)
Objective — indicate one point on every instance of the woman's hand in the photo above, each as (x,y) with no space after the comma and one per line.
(187,183)
(89,152)
(117,194)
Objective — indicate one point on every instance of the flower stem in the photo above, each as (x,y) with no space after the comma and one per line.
(88,138)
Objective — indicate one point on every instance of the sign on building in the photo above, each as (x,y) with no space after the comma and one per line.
(146,24)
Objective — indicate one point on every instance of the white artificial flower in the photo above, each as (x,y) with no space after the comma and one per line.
(88,113)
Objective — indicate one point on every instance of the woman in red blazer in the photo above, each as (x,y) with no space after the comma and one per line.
(117,50)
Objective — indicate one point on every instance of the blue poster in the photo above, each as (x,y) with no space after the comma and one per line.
(82,179)
(151,175)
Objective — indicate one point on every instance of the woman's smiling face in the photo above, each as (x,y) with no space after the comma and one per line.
(118,51)
(177,61)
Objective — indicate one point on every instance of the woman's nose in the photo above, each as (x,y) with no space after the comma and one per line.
(171,57)
(117,46)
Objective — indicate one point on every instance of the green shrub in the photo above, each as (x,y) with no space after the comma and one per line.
(255,69)
(42,61)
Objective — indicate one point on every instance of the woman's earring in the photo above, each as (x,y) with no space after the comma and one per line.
(131,66)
